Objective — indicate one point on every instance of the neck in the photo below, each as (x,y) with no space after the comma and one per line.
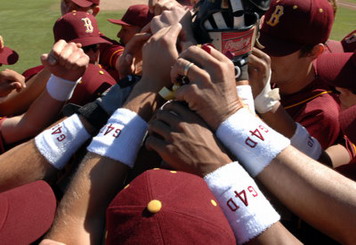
(300,81)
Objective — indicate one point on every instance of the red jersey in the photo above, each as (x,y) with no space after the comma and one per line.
(109,53)
(316,108)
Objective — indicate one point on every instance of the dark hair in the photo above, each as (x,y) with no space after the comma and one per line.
(306,50)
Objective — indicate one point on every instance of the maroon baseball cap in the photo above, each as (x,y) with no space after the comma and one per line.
(78,27)
(347,120)
(86,3)
(136,15)
(26,213)
(94,82)
(7,55)
(290,25)
(333,46)
(337,69)
(167,207)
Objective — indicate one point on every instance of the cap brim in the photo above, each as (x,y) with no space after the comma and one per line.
(82,3)
(87,41)
(8,56)
(337,69)
(119,22)
(277,47)
(26,213)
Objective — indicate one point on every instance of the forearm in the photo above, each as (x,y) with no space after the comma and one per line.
(17,103)
(26,163)
(23,164)
(279,120)
(276,234)
(82,210)
(39,116)
(317,194)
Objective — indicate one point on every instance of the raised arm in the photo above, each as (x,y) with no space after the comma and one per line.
(67,62)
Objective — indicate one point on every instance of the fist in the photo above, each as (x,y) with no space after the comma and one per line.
(66,60)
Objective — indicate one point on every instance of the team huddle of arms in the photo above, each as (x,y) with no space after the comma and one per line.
(227,121)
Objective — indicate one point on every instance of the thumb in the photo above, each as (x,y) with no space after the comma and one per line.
(48,59)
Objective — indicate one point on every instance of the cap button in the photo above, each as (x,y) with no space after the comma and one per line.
(101,72)
(213,202)
(154,206)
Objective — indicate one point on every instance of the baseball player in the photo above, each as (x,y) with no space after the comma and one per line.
(307,99)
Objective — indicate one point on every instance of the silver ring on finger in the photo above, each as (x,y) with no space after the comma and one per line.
(186,68)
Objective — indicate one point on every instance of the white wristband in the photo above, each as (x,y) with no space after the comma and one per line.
(251,140)
(60,142)
(245,94)
(304,142)
(246,208)
(121,138)
(59,88)
(267,98)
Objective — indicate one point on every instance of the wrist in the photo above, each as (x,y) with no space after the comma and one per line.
(251,140)
(206,169)
(244,205)
(144,101)
(60,89)
(223,114)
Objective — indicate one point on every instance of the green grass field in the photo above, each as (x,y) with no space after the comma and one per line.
(26,26)
(28,29)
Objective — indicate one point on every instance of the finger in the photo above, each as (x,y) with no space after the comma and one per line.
(169,118)
(200,57)
(151,4)
(66,52)
(166,34)
(83,61)
(136,42)
(180,69)
(180,109)
(10,75)
(53,55)
(214,52)
(159,129)
(255,62)
(146,28)
(262,55)
(74,57)
(185,92)
(18,86)
(156,144)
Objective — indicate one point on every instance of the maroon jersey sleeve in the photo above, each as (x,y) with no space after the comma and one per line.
(32,71)
(109,54)
(320,117)
(316,108)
